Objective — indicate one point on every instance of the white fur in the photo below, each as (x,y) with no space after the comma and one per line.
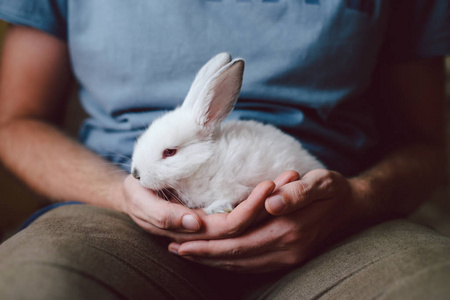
(216,165)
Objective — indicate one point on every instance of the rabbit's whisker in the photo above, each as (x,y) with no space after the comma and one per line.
(178,195)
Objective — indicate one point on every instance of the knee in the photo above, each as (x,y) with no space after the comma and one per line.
(74,250)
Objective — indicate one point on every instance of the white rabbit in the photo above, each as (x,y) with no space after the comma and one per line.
(208,164)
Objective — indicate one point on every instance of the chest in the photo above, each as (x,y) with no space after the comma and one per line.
(150,50)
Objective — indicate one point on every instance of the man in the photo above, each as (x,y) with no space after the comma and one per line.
(323,84)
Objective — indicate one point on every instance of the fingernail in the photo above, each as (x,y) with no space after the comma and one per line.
(190,223)
(276,203)
(174,248)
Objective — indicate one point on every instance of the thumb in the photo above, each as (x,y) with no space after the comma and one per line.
(298,194)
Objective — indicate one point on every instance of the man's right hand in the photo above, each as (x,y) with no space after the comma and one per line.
(154,214)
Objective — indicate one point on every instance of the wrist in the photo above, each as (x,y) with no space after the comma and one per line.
(116,196)
(354,211)
(366,200)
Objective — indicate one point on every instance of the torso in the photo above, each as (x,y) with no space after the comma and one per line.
(135,61)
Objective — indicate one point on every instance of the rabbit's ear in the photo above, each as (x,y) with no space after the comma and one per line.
(217,99)
(206,72)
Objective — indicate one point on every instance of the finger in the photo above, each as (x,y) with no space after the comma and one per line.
(285,178)
(148,207)
(266,262)
(261,216)
(256,241)
(247,211)
(178,236)
(315,185)
(170,216)
(220,226)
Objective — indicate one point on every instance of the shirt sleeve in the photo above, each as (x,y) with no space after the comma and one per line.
(417,29)
(47,15)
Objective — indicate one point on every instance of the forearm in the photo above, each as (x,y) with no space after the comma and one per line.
(402,180)
(411,119)
(58,167)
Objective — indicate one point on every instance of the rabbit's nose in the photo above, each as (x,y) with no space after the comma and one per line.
(135,174)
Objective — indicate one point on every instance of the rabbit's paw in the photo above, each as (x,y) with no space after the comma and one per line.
(218,208)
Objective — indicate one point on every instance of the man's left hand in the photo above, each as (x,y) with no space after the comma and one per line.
(306,215)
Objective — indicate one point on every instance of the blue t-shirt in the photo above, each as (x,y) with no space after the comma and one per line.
(309,63)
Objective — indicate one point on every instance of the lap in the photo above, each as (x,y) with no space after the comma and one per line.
(99,253)
(394,260)
(86,252)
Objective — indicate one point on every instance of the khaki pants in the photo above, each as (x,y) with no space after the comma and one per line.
(85,252)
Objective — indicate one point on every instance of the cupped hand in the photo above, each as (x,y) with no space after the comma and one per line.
(307,214)
(179,223)
(246,215)
(154,214)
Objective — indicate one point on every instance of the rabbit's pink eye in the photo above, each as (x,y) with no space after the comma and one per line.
(169,152)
